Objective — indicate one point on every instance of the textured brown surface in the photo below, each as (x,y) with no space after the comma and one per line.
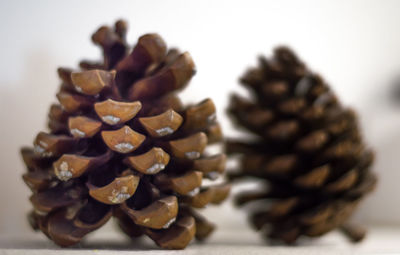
(308,151)
(121,144)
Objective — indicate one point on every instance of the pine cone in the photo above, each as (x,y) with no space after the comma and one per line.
(122,144)
(308,152)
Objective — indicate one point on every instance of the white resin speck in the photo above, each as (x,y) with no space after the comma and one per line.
(212,118)
(193,192)
(43,144)
(213,175)
(64,166)
(42,151)
(121,197)
(164,131)
(169,223)
(118,197)
(41,213)
(157,167)
(192,154)
(63,172)
(79,89)
(77,133)
(38,149)
(124,147)
(110,119)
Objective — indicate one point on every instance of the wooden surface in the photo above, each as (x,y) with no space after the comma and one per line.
(381,239)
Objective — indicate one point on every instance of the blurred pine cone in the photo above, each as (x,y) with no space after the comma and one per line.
(308,152)
(122,144)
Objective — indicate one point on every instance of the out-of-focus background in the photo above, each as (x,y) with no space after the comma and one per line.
(354,44)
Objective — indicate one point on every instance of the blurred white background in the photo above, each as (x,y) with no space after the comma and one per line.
(355,45)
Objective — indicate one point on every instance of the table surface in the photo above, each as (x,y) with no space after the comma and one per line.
(380,240)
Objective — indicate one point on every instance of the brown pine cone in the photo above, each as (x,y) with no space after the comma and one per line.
(308,151)
(122,144)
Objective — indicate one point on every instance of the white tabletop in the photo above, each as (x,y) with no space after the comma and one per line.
(381,240)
